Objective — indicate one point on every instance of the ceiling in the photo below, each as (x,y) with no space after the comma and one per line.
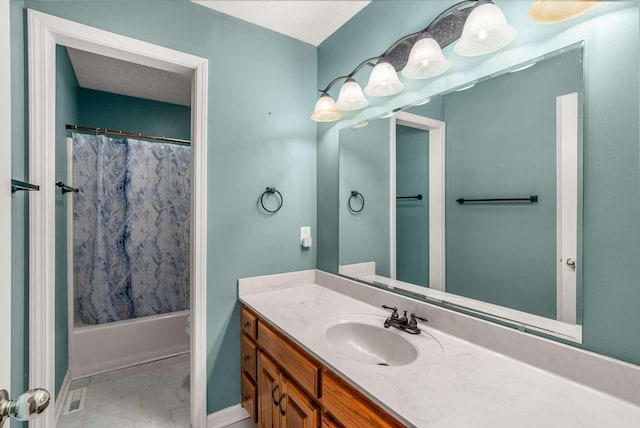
(306,20)
(107,74)
(309,21)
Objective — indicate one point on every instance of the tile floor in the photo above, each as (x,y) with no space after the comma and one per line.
(150,395)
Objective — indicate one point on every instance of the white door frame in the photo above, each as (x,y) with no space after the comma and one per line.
(567,205)
(5,195)
(45,32)
(437,255)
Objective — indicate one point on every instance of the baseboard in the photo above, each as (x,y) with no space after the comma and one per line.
(227,416)
(61,397)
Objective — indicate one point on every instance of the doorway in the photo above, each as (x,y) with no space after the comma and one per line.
(45,33)
(435,193)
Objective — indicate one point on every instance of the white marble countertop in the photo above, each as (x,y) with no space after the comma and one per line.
(460,385)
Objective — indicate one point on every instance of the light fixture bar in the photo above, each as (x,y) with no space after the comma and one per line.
(445,29)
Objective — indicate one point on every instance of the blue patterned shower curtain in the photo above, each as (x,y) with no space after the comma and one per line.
(130,228)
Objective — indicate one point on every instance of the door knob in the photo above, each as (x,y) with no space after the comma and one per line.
(571,263)
(25,407)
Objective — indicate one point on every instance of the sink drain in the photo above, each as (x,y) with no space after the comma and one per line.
(383,364)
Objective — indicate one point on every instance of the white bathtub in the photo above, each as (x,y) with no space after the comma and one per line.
(105,347)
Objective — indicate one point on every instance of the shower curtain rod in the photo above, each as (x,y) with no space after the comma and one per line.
(129,134)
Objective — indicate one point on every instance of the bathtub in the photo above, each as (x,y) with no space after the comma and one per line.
(105,347)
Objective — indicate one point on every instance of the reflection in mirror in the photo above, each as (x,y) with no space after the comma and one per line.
(511,149)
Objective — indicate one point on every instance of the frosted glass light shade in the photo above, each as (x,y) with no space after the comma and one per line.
(383,81)
(549,12)
(425,60)
(326,110)
(485,31)
(351,96)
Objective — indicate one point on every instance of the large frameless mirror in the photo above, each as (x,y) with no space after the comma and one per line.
(474,199)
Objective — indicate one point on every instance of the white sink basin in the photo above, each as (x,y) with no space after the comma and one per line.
(370,344)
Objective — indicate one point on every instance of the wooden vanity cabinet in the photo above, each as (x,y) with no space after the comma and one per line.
(294,390)
(248,363)
(280,403)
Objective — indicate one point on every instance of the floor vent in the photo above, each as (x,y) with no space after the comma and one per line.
(75,403)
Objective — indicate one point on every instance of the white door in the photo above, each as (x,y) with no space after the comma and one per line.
(567,205)
(5,196)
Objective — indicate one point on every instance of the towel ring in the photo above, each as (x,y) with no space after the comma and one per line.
(271,190)
(357,195)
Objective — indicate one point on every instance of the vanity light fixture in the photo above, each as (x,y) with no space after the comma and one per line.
(383,81)
(425,60)
(550,12)
(361,125)
(326,109)
(479,25)
(351,96)
(485,31)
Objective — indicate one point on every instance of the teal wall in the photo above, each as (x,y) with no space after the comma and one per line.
(412,215)
(19,211)
(260,85)
(611,186)
(501,142)
(100,109)
(365,167)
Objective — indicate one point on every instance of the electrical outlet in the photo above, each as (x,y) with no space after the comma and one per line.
(305,232)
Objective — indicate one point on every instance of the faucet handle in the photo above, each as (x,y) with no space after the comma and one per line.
(415,317)
(392,308)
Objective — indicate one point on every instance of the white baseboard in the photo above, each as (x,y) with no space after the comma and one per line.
(228,416)
(61,397)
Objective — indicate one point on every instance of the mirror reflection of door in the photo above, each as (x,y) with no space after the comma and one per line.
(412,205)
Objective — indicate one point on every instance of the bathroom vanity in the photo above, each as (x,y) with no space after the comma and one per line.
(297,370)
(284,385)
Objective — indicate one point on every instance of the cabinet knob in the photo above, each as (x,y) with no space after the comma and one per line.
(280,405)
(246,358)
(246,324)
(273,391)
(245,398)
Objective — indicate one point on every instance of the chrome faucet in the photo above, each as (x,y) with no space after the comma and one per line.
(403,323)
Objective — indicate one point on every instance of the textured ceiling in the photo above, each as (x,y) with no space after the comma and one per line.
(309,21)
(125,78)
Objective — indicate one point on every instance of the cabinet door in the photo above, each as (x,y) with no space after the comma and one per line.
(296,409)
(268,393)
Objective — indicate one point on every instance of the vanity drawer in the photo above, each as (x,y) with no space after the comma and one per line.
(248,352)
(249,395)
(350,407)
(302,369)
(248,323)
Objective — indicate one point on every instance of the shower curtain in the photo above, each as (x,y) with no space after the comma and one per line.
(130,228)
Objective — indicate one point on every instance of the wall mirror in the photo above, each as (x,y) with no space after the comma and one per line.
(473,200)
